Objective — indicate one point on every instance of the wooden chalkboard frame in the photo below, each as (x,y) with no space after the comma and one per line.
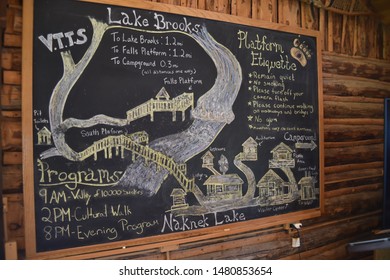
(169,241)
(386,191)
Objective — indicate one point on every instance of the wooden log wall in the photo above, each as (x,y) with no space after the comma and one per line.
(356,79)
(11,134)
(2,232)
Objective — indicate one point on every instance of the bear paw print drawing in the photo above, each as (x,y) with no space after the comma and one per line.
(300,52)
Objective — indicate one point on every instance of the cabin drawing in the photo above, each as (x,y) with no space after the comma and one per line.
(224,187)
(282,157)
(179,199)
(273,189)
(44,136)
(207,160)
(307,188)
(250,149)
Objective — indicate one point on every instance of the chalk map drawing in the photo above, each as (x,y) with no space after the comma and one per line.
(168,155)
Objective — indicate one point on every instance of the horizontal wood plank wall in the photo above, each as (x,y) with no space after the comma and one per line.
(356,79)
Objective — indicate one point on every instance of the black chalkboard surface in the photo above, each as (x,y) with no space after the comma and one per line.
(150,123)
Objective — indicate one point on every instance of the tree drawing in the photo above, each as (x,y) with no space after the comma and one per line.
(223,164)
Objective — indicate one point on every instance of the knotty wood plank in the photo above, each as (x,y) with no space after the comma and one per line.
(11,59)
(353,175)
(354,189)
(170,2)
(332,251)
(372,32)
(343,144)
(335,109)
(289,12)
(10,158)
(12,77)
(216,249)
(337,132)
(329,32)
(15,3)
(310,17)
(190,3)
(11,114)
(3,16)
(14,20)
(265,10)
(354,121)
(361,67)
(10,97)
(386,42)
(337,22)
(15,219)
(12,178)
(342,85)
(11,133)
(12,40)
(219,6)
(355,166)
(323,29)
(353,99)
(353,203)
(242,8)
(202,4)
(354,154)
(353,183)
(363,40)
(362,223)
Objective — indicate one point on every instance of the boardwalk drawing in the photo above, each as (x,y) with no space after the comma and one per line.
(162,103)
(120,143)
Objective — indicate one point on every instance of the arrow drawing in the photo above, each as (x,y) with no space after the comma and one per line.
(310,145)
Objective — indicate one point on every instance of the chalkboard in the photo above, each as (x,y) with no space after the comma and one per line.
(149,123)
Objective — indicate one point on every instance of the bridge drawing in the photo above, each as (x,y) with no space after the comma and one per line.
(133,143)
(137,143)
(162,103)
